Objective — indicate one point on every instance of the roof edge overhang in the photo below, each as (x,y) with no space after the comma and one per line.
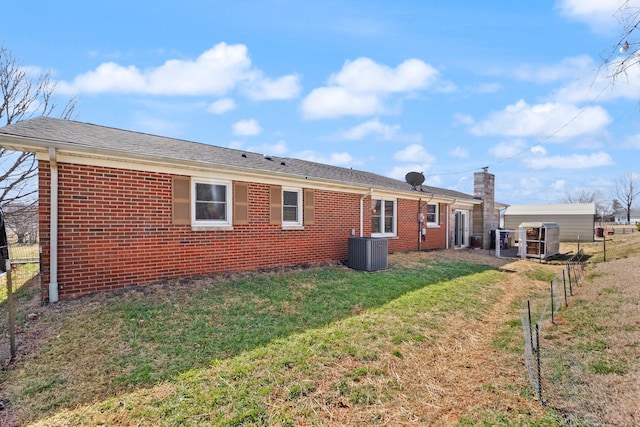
(82,154)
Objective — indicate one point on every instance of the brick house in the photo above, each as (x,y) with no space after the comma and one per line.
(120,208)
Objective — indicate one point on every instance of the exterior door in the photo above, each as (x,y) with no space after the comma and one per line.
(461,229)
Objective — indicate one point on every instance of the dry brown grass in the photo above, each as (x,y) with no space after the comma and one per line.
(456,372)
(597,341)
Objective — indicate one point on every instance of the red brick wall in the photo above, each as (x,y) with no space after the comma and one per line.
(408,228)
(115,230)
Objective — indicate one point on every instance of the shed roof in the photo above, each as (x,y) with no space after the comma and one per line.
(552,209)
(44,132)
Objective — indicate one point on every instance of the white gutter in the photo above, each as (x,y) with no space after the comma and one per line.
(53,233)
(368,193)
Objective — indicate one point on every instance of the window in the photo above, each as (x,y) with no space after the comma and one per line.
(291,207)
(383,217)
(432,215)
(212,203)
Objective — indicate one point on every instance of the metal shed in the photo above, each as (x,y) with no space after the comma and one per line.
(576,220)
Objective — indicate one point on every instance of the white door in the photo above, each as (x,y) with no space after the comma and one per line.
(461,229)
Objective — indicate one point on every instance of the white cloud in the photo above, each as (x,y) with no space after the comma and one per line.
(554,121)
(249,127)
(568,68)
(221,106)
(572,161)
(400,172)
(331,102)
(217,71)
(463,184)
(336,159)
(362,86)
(463,119)
(508,149)
(459,152)
(612,81)
(365,76)
(539,149)
(279,148)
(415,158)
(260,88)
(600,15)
(414,153)
(372,127)
(559,185)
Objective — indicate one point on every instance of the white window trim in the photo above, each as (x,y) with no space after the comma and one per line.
(435,224)
(229,204)
(297,224)
(395,219)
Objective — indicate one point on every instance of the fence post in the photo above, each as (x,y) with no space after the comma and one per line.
(552,306)
(569,276)
(604,248)
(12,312)
(530,328)
(539,367)
(564,285)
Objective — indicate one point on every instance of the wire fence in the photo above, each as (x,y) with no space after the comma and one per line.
(542,313)
(25,262)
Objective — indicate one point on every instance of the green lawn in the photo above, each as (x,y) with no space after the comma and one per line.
(242,351)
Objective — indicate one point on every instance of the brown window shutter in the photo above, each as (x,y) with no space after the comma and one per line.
(275,204)
(181,199)
(309,207)
(240,203)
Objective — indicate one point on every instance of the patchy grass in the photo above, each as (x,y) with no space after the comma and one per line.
(348,372)
(121,341)
(592,366)
(22,274)
(543,275)
(435,339)
(617,246)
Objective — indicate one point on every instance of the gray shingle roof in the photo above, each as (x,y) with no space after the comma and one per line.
(90,137)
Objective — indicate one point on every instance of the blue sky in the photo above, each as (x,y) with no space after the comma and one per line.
(443,88)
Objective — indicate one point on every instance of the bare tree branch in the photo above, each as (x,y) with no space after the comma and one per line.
(23,96)
(627,192)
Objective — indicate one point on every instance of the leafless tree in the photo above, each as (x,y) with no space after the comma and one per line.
(627,192)
(21,222)
(23,96)
(589,196)
(625,54)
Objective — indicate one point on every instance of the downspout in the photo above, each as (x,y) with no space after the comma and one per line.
(53,233)
(449,212)
(367,194)
(420,223)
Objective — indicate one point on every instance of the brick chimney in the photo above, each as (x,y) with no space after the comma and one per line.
(485,217)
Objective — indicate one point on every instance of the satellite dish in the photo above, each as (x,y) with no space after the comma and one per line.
(414,179)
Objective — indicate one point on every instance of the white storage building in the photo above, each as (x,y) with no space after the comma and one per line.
(576,220)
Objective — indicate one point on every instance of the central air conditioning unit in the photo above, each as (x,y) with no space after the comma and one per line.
(368,253)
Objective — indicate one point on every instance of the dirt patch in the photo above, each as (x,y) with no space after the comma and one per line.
(457,374)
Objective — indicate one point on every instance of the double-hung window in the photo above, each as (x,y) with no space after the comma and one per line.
(212,202)
(432,215)
(383,217)
(291,207)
